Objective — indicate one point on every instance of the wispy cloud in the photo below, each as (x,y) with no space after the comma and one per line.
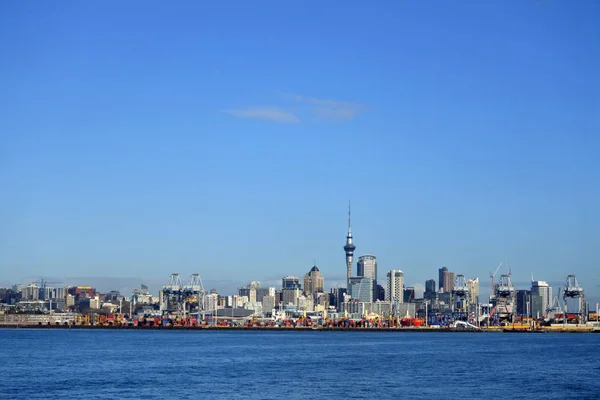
(304,107)
(266,113)
(328,108)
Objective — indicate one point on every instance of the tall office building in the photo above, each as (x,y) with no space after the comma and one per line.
(473,285)
(430,286)
(314,282)
(409,295)
(446,280)
(541,298)
(349,250)
(430,291)
(290,282)
(361,289)
(394,286)
(367,266)
(523,302)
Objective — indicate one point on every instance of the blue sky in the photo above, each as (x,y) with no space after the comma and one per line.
(141,139)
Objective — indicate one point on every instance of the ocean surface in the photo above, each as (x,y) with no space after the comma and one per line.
(110,364)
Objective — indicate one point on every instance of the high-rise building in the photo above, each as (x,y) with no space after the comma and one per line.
(409,295)
(473,286)
(349,250)
(290,296)
(367,266)
(446,280)
(313,282)
(394,286)
(290,282)
(523,302)
(336,297)
(442,277)
(430,290)
(361,289)
(541,298)
(430,286)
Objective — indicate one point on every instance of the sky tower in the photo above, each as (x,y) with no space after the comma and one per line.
(349,249)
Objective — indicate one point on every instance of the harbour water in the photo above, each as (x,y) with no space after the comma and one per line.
(115,364)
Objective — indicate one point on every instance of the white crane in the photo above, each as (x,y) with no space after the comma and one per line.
(492,275)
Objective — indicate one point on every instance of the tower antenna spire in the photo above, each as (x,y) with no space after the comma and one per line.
(349,214)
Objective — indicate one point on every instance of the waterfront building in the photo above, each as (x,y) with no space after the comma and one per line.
(211,302)
(523,302)
(541,298)
(313,282)
(473,286)
(349,248)
(361,289)
(394,286)
(446,280)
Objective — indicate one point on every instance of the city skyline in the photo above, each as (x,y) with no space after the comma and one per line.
(464,134)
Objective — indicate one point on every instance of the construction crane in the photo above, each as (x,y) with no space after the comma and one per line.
(43,283)
(492,275)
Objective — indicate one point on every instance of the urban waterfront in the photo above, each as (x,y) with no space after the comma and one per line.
(256,365)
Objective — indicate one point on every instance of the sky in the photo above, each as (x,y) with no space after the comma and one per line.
(226,138)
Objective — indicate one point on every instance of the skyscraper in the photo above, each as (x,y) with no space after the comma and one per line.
(290,282)
(430,286)
(473,285)
(349,249)
(313,282)
(361,289)
(367,266)
(446,280)
(394,286)
(541,298)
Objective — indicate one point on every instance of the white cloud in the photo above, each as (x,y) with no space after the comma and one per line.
(265,113)
(328,108)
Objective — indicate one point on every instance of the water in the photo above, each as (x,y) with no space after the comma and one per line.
(296,365)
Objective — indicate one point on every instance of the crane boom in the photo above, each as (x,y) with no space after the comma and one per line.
(493,275)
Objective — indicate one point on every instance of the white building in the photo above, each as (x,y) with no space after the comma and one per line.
(541,298)
(95,302)
(394,288)
(211,302)
(473,286)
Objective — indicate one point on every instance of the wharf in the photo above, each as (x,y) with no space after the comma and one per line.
(299,328)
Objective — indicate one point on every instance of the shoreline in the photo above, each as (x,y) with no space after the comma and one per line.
(287,329)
